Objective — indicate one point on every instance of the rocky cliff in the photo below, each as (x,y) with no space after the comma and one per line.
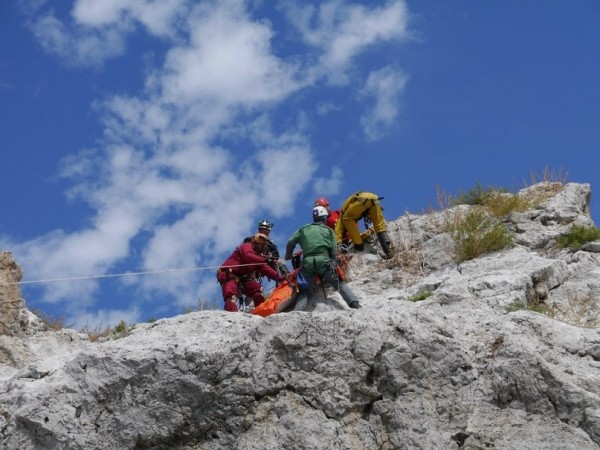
(500,352)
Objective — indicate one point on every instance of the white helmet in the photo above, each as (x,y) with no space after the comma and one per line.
(320,214)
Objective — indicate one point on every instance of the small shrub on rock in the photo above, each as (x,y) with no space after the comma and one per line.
(476,234)
(499,202)
(577,236)
(535,306)
(477,195)
(420,296)
(121,330)
(97,334)
(501,205)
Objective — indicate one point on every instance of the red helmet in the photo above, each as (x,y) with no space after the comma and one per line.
(322,202)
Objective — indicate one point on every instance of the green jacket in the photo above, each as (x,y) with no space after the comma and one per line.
(319,247)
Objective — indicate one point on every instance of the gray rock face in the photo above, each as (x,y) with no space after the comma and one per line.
(455,370)
(14,317)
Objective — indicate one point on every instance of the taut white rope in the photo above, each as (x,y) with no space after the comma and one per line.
(125,274)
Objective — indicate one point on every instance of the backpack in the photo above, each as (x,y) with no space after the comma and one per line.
(302,283)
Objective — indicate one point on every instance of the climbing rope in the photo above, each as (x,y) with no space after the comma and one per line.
(125,274)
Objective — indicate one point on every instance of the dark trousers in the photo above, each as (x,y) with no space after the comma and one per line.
(305,299)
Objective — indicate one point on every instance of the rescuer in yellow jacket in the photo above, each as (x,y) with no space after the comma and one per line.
(356,207)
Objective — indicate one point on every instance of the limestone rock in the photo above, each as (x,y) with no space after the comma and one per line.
(468,367)
(14,317)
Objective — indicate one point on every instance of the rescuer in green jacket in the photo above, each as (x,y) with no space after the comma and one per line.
(319,254)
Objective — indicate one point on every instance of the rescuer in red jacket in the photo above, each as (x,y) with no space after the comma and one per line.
(238,274)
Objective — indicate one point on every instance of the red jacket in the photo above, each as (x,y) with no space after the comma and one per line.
(245,254)
(332,218)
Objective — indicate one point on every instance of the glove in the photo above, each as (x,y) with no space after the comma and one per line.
(359,247)
(283,269)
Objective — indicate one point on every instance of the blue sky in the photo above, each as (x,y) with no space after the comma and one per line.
(142,136)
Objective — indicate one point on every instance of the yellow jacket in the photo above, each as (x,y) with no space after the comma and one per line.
(359,205)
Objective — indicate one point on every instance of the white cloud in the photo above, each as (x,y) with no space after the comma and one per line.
(228,60)
(80,46)
(96,14)
(329,186)
(284,174)
(385,86)
(342,31)
(98,29)
(158,16)
(31,7)
(79,165)
(79,254)
(102,319)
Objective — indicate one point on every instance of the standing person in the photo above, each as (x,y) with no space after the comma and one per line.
(356,207)
(319,249)
(238,274)
(271,252)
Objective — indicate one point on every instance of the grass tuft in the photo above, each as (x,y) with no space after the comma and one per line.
(549,175)
(420,296)
(536,306)
(96,334)
(577,236)
(476,233)
(500,201)
(501,205)
(477,195)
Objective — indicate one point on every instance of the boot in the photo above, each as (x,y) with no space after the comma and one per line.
(301,302)
(231,304)
(386,244)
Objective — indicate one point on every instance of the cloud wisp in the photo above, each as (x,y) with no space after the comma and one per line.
(384,87)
